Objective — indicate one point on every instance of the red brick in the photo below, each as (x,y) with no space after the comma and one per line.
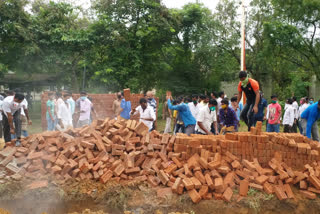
(244,187)
(196,182)
(227,195)
(194,195)
(280,193)
(288,190)
(203,163)
(119,170)
(176,185)
(200,177)
(203,191)
(307,194)
(218,183)
(268,188)
(303,184)
(187,182)
(106,176)
(314,181)
(261,179)
(163,177)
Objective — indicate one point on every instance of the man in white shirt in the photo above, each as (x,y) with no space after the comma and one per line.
(206,117)
(11,108)
(303,106)
(220,98)
(147,114)
(23,119)
(288,117)
(296,114)
(64,114)
(1,101)
(194,106)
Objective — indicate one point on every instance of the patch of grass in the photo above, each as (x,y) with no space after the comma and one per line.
(118,197)
(254,203)
(235,191)
(268,197)
(252,192)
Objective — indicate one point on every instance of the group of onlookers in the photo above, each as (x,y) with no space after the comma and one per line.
(208,115)
(63,112)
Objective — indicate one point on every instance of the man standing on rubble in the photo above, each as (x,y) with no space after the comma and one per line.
(251,89)
(309,121)
(11,108)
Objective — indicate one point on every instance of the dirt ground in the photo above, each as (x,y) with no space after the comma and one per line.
(135,198)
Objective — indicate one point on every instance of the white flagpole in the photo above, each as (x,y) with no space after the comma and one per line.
(243,43)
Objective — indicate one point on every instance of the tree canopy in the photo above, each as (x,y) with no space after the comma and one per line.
(142,45)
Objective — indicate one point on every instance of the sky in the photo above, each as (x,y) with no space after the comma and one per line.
(211,4)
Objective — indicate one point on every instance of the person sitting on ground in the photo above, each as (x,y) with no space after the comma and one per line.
(206,117)
(147,115)
(185,114)
(227,115)
(309,121)
(288,117)
(251,89)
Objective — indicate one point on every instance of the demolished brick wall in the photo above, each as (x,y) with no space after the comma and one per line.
(203,166)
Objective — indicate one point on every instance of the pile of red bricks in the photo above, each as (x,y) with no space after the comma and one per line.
(204,166)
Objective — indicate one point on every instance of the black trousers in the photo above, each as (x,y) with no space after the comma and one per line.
(6,126)
(288,129)
(247,114)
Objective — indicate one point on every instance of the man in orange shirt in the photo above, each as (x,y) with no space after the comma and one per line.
(251,89)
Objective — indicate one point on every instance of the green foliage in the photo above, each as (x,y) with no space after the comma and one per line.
(143,45)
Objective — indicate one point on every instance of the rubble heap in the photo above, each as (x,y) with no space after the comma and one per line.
(204,166)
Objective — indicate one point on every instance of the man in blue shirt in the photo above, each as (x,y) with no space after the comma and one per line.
(126,108)
(185,114)
(309,121)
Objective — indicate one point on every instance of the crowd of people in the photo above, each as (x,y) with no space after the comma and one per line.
(64,112)
(200,114)
(203,114)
